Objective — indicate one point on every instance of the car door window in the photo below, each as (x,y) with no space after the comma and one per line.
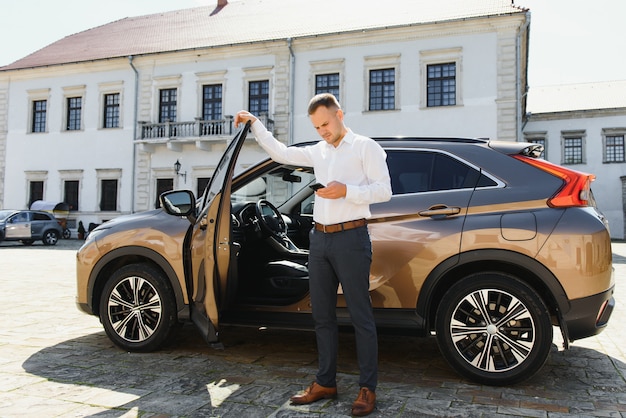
(426,171)
(20,218)
(276,186)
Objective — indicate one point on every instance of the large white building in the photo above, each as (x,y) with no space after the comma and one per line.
(99,119)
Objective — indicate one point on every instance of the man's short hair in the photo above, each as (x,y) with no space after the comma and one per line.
(323,99)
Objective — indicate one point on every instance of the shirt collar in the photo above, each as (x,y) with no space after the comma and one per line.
(348,139)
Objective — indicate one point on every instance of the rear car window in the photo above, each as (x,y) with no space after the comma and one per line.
(40,217)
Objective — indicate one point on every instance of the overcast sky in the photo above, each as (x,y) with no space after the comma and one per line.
(573,41)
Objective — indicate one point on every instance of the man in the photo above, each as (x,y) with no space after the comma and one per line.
(355,174)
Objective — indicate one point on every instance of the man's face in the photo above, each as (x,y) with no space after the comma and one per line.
(329,124)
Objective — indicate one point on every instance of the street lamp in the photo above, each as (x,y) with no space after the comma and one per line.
(177,170)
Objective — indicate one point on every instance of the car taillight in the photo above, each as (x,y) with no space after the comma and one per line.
(576,189)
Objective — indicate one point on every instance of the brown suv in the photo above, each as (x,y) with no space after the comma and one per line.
(483,244)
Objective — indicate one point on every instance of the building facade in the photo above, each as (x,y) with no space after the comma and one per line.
(109,118)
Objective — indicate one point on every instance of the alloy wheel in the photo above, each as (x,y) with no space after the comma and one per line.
(134,309)
(492,330)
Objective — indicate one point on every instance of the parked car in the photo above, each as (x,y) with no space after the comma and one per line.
(28,226)
(483,244)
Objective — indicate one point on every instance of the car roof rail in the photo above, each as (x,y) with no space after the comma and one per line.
(432,139)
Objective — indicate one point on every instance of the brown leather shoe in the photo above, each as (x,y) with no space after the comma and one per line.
(365,403)
(314,393)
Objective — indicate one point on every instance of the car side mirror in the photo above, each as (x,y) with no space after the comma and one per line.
(179,203)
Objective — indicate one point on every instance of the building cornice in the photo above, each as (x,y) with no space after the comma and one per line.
(575,114)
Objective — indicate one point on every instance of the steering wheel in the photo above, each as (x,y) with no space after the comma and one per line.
(271,223)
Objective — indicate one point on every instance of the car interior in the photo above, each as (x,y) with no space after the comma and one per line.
(271,218)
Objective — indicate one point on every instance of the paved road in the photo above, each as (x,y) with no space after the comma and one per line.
(57,361)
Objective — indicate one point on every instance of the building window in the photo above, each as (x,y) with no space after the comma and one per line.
(327,83)
(167,105)
(257,80)
(325,76)
(111,110)
(573,148)
(202,183)
(39,115)
(259,97)
(441,84)
(614,149)
(441,77)
(162,186)
(70,194)
(382,89)
(108,195)
(212,102)
(74,109)
(35,191)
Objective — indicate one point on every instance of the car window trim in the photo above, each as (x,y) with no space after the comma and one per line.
(499,183)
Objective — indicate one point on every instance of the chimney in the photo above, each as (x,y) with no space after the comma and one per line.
(220,5)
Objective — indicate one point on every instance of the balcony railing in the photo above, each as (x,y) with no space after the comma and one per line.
(196,129)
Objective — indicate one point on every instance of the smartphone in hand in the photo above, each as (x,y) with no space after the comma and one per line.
(317,186)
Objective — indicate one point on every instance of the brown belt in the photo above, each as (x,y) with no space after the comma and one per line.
(344,226)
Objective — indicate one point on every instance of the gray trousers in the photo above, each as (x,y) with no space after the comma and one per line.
(343,257)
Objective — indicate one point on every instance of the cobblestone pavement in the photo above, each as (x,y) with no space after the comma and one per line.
(57,361)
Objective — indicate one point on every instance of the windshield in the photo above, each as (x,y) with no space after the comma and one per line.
(276,186)
(4,214)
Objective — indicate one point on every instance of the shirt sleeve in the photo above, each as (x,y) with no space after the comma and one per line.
(278,151)
(378,187)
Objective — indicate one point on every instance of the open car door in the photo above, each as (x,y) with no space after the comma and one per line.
(211,246)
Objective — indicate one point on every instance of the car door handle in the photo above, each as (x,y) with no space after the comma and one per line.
(440,211)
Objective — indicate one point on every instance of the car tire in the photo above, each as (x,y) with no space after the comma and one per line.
(50,237)
(494,329)
(67,234)
(138,309)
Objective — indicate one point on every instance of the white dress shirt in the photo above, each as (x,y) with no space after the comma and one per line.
(358,162)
